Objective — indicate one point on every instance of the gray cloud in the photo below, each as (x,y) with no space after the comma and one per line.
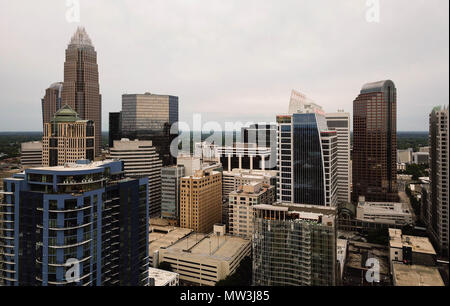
(230,59)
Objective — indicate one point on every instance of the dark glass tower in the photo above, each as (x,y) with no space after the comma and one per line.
(152,117)
(375,143)
(81,82)
(115,123)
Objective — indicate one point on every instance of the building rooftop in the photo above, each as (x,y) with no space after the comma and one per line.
(162,277)
(163,235)
(412,275)
(223,248)
(418,244)
(82,165)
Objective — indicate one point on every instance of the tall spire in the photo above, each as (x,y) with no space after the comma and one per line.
(81,38)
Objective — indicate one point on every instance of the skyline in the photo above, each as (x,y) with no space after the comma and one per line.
(219,57)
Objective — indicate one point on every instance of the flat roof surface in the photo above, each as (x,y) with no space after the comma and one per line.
(163,235)
(412,275)
(418,244)
(222,248)
(162,277)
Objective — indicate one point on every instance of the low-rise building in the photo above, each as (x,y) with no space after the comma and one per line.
(162,235)
(384,212)
(203,260)
(421,157)
(410,249)
(414,275)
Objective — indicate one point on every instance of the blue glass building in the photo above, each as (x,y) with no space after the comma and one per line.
(84,212)
(307,160)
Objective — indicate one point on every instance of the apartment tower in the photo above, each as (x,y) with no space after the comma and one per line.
(438,210)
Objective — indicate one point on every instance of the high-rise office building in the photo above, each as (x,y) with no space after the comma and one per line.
(83,214)
(265,136)
(242,201)
(141,160)
(375,143)
(152,117)
(67,139)
(307,159)
(114,128)
(81,82)
(31,154)
(294,245)
(340,122)
(51,102)
(201,201)
(170,192)
(438,210)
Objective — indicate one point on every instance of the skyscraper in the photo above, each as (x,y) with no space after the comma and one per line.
(82,213)
(307,160)
(438,210)
(340,122)
(375,143)
(141,160)
(294,245)
(81,82)
(67,139)
(51,102)
(151,117)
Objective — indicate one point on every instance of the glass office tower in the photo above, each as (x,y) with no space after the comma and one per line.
(307,160)
(152,117)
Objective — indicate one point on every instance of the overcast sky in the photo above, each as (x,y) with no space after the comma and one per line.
(230,60)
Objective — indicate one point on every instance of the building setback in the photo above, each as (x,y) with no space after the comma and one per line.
(67,139)
(141,160)
(294,245)
(375,143)
(81,89)
(86,212)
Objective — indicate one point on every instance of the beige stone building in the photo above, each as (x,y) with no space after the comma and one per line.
(67,139)
(201,201)
(241,207)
